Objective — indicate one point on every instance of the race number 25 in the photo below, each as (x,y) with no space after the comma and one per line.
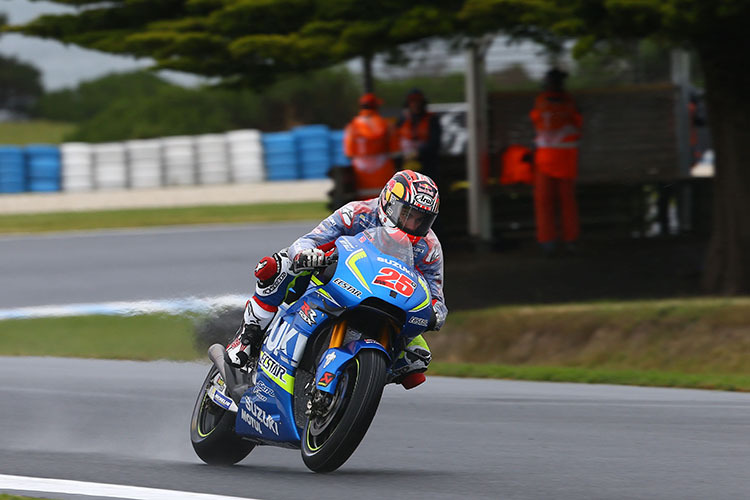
(390,278)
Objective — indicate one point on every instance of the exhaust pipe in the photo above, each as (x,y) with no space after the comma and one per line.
(235,380)
(216,355)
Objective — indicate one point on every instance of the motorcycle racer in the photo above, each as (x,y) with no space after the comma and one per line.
(407,206)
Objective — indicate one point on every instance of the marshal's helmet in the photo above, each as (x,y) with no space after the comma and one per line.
(409,202)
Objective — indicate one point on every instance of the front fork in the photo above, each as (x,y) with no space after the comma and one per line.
(334,360)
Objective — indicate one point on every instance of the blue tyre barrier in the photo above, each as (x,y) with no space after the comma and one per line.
(280,156)
(314,150)
(12,170)
(338,158)
(43,167)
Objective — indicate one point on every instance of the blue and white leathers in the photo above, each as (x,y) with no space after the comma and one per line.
(370,268)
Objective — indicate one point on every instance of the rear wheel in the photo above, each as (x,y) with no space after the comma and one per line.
(331,436)
(212,430)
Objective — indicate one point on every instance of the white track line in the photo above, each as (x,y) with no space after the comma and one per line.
(171,306)
(68,487)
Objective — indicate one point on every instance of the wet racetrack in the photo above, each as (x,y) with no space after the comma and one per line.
(122,422)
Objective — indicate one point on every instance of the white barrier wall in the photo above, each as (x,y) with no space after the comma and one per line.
(144,163)
(245,156)
(212,160)
(110,165)
(78,171)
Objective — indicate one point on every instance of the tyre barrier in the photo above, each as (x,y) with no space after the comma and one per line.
(144,158)
(338,158)
(212,159)
(313,151)
(239,156)
(245,151)
(280,156)
(110,165)
(77,166)
(12,169)
(43,167)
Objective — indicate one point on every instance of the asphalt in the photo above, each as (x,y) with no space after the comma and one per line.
(126,422)
(137,264)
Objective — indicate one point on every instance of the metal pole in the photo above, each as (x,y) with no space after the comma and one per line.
(478,203)
(681,80)
(680,62)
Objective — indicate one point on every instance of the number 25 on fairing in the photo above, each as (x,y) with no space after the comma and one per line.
(390,278)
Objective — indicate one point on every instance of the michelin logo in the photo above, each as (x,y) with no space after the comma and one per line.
(221,400)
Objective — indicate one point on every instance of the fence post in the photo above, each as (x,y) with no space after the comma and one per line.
(680,69)
(476,121)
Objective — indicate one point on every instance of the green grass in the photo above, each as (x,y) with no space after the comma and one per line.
(724,382)
(698,336)
(694,343)
(15,497)
(34,132)
(268,212)
(147,337)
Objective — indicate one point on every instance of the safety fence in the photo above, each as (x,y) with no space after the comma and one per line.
(239,156)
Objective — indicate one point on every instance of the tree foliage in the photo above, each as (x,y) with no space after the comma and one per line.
(20,85)
(246,42)
(91,97)
(141,105)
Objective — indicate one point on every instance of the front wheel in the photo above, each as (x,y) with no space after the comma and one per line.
(212,429)
(330,438)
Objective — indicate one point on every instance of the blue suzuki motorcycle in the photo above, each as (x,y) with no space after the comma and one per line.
(317,382)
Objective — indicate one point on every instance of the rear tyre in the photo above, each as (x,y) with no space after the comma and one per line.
(330,439)
(212,430)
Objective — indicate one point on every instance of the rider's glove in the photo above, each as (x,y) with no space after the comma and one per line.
(309,259)
(440,312)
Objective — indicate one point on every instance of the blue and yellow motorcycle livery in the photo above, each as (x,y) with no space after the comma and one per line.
(319,377)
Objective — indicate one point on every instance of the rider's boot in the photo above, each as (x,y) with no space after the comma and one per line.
(409,368)
(246,343)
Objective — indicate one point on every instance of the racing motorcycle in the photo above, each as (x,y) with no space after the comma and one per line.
(318,379)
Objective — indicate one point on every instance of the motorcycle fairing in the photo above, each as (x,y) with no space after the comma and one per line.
(333,361)
(266,410)
(356,276)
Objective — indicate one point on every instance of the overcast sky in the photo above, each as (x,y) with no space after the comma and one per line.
(62,66)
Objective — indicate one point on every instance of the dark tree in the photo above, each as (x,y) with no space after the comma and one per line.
(20,86)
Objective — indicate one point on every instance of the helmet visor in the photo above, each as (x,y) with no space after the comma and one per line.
(410,219)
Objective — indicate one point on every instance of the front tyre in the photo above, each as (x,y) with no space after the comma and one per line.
(212,430)
(331,438)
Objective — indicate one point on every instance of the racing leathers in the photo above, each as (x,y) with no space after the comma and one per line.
(276,274)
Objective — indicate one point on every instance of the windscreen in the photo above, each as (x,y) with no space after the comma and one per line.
(392,242)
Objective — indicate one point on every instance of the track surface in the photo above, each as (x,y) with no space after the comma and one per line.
(124,422)
(136,264)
